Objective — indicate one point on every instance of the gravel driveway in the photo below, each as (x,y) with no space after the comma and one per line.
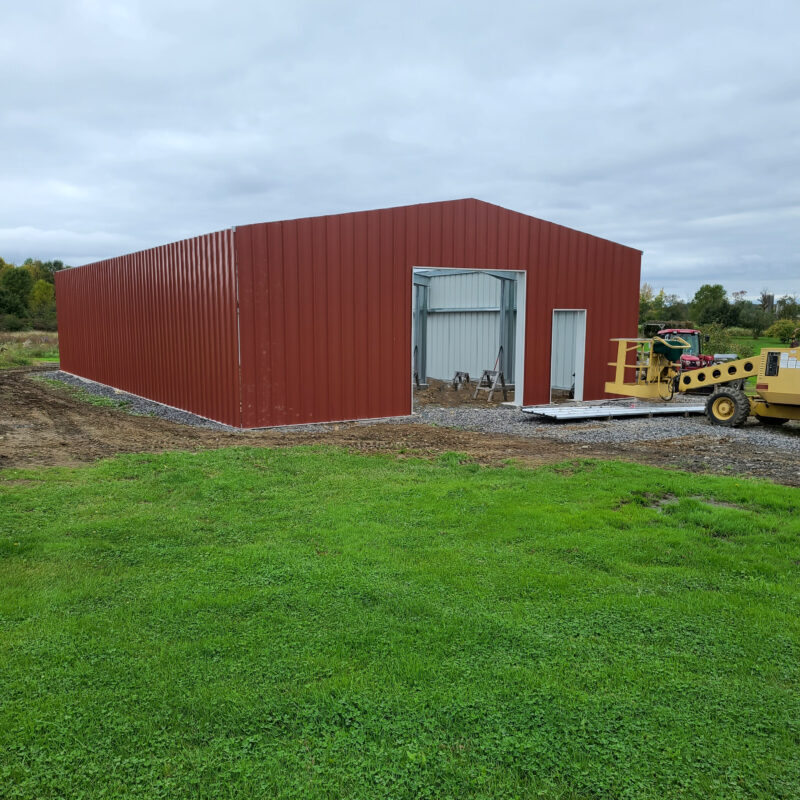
(507,420)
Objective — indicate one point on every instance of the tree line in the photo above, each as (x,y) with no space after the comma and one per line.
(27,295)
(711,305)
(27,300)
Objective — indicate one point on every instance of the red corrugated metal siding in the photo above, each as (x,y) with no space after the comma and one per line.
(325,311)
(160,323)
(324,327)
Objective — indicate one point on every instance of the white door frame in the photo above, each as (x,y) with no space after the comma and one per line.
(519,334)
(580,350)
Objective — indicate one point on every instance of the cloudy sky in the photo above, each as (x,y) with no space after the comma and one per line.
(673,126)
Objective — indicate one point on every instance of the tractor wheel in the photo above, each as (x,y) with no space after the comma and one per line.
(728,407)
(736,384)
(772,422)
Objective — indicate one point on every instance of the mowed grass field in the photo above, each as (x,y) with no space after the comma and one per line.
(757,345)
(311,623)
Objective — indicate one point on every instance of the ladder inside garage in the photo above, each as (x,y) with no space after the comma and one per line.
(492,380)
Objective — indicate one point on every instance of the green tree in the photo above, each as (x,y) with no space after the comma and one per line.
(657,305)
(51,267)
(645,301)
(18,282)
(34,267)
(720,341)
(755,318)
(710,304)
(783,329)
(10,303)
(675,308)
(788,307)
(43,297)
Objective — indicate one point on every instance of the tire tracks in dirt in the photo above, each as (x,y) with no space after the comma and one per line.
(41,425)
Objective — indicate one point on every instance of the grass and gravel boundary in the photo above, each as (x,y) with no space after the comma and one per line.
(492,419)
(313,623)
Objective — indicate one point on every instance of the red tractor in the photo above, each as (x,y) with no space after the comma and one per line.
(691,358)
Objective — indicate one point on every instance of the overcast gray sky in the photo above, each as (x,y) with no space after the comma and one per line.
(673,126)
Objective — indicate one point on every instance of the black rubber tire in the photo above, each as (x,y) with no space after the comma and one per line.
(738,384)
(772,422)
(740,407)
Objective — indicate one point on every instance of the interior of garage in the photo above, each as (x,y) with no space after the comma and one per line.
(466,322)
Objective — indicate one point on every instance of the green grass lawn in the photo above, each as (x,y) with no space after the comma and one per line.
(756,345)
(19,358)
(308,623)
(77,393)
(23,348)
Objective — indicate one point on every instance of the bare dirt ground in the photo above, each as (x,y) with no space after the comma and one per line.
(45,426)
(441,393)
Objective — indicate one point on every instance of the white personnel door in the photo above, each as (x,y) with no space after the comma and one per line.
(567,354)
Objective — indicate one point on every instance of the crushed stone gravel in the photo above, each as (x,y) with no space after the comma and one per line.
(502,419)
(135,404)
(508,420)
(141,406)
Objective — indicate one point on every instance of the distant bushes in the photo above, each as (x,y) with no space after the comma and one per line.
(23,348)
(783,329)
(27,295)
(711,304)
(12,322)
(721,340)
(741,333)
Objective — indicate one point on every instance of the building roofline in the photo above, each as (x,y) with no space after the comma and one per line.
(456,201)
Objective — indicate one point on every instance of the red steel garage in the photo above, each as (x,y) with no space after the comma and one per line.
(310,320)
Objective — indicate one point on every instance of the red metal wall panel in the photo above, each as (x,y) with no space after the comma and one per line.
(324,308)
(160,323)
(325,312)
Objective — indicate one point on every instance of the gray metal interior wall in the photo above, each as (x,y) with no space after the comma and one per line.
(467,341)
(565,330)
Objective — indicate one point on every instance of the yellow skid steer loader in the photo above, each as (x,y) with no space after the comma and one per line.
(650,369)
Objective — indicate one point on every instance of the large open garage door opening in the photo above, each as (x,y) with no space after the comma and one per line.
(463,323)
(567,354)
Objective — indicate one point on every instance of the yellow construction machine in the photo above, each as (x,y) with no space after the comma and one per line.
(652,370)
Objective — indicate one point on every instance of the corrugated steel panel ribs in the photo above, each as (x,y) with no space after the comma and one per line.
(160,323)
(324,310)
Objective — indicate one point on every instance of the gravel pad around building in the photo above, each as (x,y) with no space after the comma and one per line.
(134,404)
(509,420)
(506,420)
